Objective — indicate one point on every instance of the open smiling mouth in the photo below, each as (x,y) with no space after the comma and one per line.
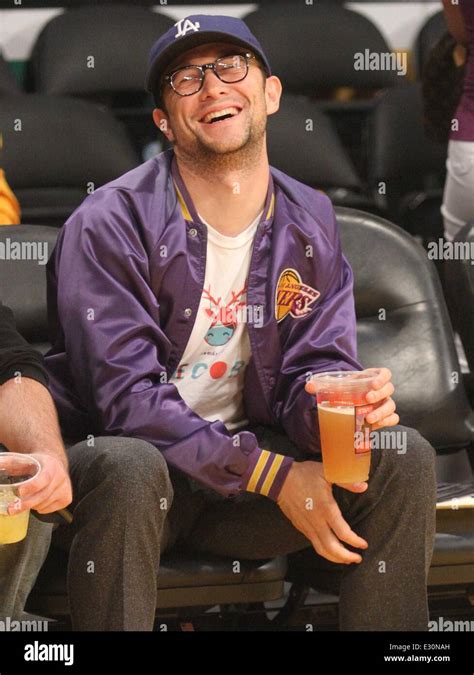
(220,116)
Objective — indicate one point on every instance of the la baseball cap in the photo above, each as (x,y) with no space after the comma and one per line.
(195,30)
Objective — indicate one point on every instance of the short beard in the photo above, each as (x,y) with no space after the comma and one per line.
(209,162)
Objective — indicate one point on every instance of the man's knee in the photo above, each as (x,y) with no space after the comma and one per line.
(128,466)
(408,456)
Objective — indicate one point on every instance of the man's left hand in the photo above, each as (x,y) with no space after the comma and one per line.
(382,406)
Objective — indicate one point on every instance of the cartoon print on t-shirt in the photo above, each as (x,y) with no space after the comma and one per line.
(224,317)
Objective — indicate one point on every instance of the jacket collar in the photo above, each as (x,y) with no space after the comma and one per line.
(188,209)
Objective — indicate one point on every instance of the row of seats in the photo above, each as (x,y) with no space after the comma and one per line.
(415,341)
(99,53)
(118,38)
(57,148)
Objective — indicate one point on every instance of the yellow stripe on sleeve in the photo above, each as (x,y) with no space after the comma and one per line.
(271,475)
(257,472)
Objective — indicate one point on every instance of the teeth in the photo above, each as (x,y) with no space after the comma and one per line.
(220,113)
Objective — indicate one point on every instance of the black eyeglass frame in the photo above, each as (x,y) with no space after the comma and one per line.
(210,66)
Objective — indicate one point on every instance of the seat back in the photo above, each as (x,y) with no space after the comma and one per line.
(459,287)
(315,49)
(321,160)
(396,130)
(326,37)
(100,53)
(431,32)
(403,324)
(409,167)
(58,149)
(96,49)
(24,251)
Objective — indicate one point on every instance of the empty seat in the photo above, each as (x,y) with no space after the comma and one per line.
(25,250)
(406,169)
(101,53)
(58,149)
(415,340)
(324,39)
(321,161)
(459,290)
(413,337)
(430,33)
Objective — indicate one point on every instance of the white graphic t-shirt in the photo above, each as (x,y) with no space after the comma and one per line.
(210,376)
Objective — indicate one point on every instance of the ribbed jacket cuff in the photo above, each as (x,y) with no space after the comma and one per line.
(266,473)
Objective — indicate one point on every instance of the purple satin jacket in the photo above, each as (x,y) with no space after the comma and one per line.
(124,286)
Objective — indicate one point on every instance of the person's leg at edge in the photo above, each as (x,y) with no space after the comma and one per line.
(20,564)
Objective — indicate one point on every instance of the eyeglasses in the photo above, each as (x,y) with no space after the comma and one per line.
(188,80)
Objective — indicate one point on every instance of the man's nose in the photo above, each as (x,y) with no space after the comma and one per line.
(212,84)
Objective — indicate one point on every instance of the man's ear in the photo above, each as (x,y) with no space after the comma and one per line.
(273,89)
(161,120)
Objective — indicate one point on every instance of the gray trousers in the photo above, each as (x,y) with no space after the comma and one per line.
(130,507)
(19,567)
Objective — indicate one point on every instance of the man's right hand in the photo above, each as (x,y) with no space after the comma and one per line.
(322,524)
(49,491)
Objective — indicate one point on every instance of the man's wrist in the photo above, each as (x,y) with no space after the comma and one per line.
(58,453)
(266,473)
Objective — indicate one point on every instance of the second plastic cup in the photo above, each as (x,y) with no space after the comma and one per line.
(15,470)
(345,433)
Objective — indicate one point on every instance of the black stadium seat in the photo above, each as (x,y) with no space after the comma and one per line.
(313,46)
(321,160)
(23,278)
(56,150)
(100,53)
(431,32)
(459,291)
(410,167)
(186,581)
(414,340)
(312,50)
(414,337)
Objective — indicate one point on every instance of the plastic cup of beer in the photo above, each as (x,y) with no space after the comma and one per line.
(16,469)
(344,431)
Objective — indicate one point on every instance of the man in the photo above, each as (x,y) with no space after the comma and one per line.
(190,299)
(28,424)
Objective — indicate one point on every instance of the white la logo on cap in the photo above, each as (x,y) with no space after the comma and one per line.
(184,26)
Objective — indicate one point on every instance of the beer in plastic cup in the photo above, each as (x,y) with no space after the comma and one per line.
(15,470)
(345,433)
